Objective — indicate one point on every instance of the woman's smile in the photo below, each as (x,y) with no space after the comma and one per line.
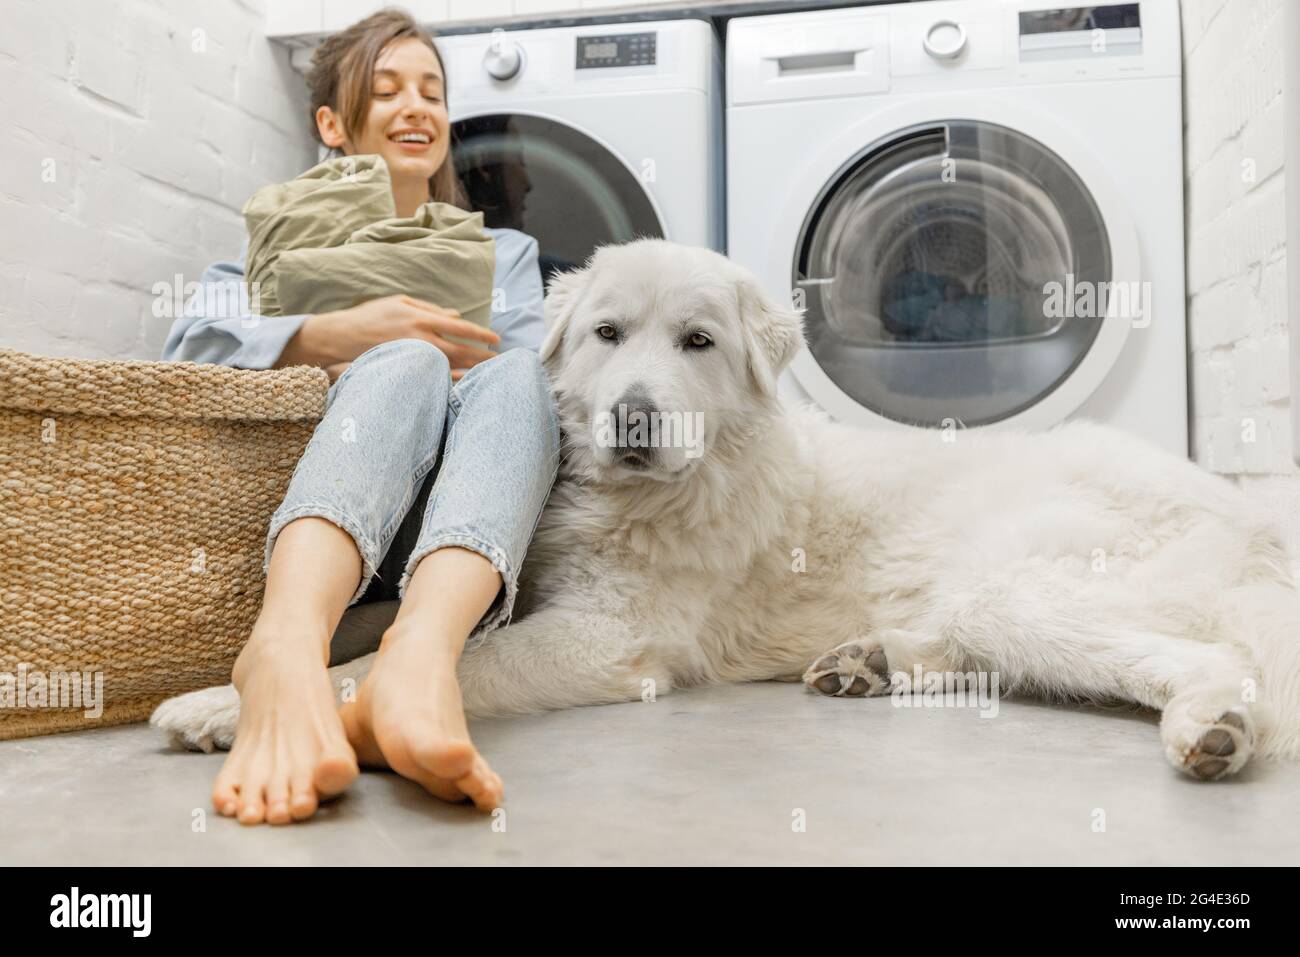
(412,140)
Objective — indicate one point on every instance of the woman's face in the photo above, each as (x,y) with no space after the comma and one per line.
(407,123)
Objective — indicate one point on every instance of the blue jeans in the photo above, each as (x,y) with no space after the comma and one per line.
(406,462)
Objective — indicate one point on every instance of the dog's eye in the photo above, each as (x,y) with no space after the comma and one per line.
(607,332)
(699,340)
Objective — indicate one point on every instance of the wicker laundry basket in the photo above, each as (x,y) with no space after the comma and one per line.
(134,501)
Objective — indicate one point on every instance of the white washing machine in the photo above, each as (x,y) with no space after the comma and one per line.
(587,135)
(979,204)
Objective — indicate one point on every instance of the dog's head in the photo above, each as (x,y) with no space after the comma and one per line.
(658,352)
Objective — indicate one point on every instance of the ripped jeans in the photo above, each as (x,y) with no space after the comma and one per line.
(406,462)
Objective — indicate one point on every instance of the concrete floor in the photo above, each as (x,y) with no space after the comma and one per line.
(710,776)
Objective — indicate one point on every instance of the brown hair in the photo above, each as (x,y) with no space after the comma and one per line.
(342,70)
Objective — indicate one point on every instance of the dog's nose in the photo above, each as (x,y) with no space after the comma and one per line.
(635,419)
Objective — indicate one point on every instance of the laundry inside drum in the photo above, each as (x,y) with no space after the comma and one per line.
(917,260)
(926,272)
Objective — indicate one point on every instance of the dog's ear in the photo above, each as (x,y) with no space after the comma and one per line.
(562,294)
(773,334)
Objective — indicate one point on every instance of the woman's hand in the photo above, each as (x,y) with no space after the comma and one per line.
(333,338)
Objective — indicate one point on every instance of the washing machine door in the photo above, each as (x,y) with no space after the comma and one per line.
(552,181)
(958,273)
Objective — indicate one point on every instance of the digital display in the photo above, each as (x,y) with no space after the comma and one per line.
(1113,16)
(622,49)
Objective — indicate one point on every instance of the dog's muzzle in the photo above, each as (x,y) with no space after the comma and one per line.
(632,416)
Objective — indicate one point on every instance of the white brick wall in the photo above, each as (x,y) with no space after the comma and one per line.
(133,131)
(1236,235)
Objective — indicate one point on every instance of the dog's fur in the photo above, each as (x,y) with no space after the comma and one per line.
(1079,564)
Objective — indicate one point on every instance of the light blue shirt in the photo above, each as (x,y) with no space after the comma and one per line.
(256,342)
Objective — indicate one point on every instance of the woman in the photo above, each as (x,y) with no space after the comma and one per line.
(423,481)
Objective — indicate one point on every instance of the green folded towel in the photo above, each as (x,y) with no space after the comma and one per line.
(331,239)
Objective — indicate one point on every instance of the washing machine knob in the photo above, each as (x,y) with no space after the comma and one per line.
(504,58)
(945,39)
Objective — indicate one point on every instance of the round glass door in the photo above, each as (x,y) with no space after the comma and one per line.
(552,182)
(933,268)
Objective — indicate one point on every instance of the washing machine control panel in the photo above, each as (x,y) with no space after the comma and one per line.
(1071,32)
(622,49)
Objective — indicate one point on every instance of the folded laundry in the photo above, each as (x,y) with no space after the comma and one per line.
(331,239)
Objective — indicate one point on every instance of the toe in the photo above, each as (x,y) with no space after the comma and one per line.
(826,663)
(483,786)
(225,793)
(449,760)
(1209,769)
(1218,742)
(828,684)
(277,804)
(857,687)
(334,772)
(302,796)
(1234,718)
(252,803)
(438,787)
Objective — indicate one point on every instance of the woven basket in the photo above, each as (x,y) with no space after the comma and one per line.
(134,501)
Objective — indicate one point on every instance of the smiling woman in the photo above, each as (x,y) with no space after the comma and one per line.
(448,453)
(377,88)
(363,82)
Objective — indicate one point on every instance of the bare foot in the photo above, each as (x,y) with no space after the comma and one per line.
(408,717)
(290,751)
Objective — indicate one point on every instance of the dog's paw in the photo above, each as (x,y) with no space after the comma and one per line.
(1210,749)
(854,669)
(201,720)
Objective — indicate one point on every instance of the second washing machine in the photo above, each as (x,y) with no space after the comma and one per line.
(979,205)
(587,135)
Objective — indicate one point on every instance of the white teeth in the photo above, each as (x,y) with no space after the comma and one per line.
(411,138)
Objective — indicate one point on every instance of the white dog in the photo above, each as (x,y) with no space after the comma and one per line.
(1079,564)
